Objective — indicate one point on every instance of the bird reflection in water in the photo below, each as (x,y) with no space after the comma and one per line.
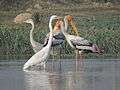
(61,76)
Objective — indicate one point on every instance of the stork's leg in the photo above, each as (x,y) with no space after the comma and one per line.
(81,55)
(79,60)
(77,54)
(60,51)
(52,58)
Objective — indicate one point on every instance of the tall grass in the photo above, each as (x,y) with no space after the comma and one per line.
(104,31)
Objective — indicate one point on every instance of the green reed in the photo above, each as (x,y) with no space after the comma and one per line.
(104,31)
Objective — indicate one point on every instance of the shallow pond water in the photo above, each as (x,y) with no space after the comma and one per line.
(61,75)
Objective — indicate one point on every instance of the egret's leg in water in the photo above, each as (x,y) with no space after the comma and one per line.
(44,65)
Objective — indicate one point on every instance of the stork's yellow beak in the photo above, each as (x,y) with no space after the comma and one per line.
(70,20)
(74,29)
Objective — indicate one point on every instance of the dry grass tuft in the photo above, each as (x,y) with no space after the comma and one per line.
(22,17)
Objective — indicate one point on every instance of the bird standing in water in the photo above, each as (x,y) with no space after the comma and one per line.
(78,43)
(42,56)
(70,21)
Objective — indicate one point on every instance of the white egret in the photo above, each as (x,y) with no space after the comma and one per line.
(36,46)
(27,17)
(41,56)
(77,42)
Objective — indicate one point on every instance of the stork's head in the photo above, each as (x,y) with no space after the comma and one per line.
(57,27)
(57,24)
(69,18)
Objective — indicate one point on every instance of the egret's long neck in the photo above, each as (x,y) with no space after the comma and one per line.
(31,33)
(51,35)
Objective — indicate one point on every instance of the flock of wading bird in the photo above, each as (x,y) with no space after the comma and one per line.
(55,37)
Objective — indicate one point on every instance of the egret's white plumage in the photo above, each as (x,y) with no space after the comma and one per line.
(36,46)
(26,17)
(58,39)
(41,56)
